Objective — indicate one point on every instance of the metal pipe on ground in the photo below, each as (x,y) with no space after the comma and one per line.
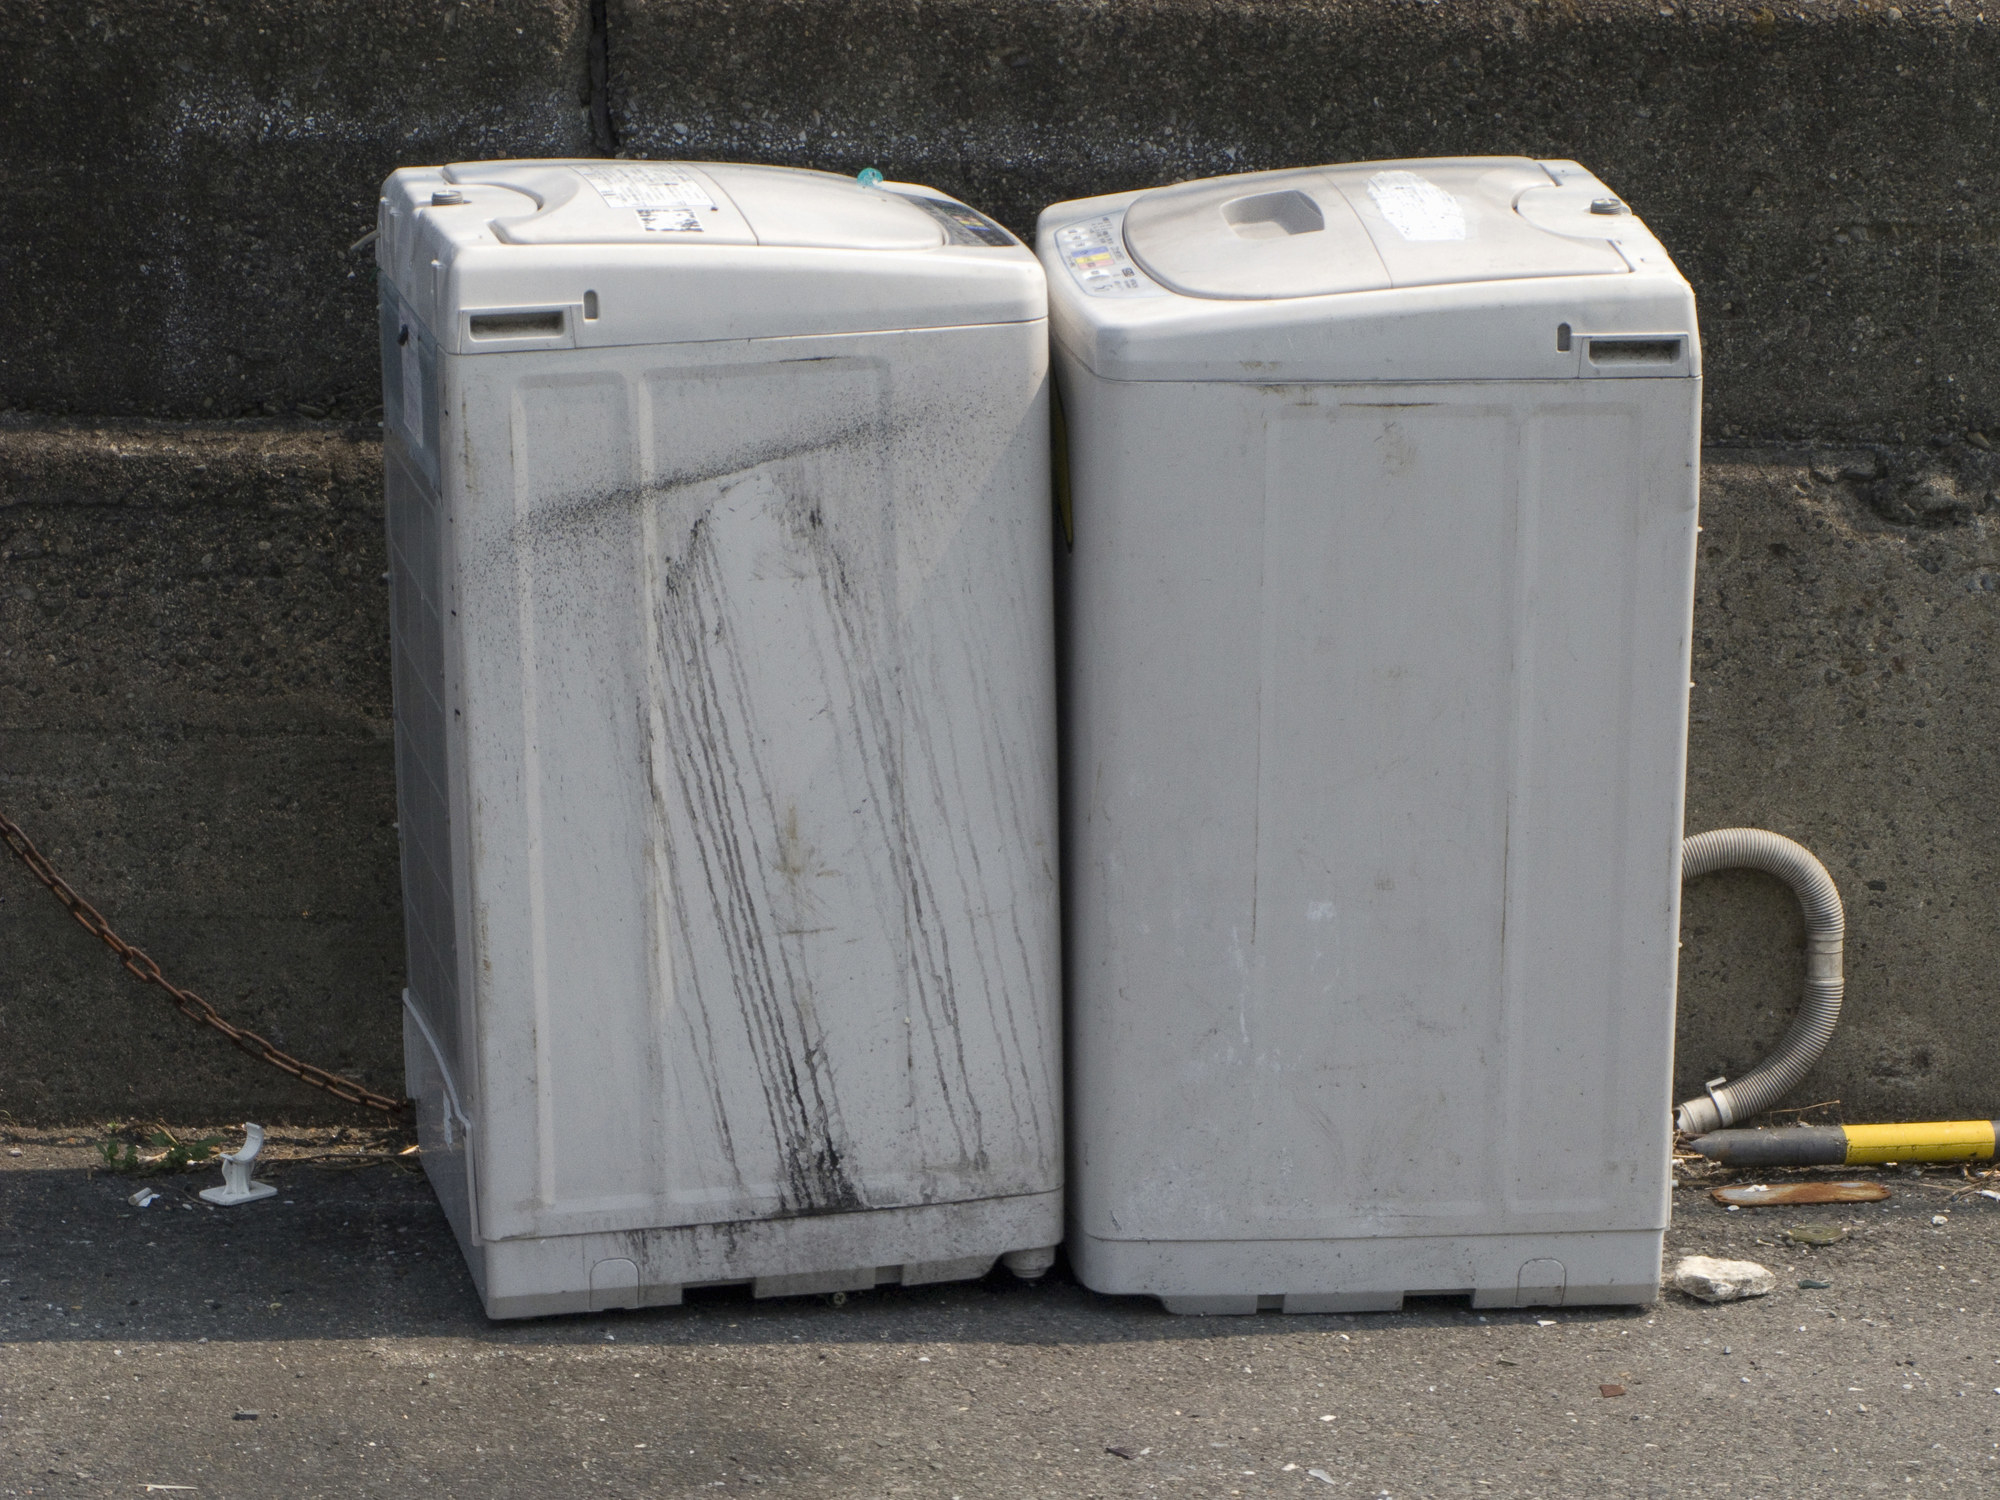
(1851,1145)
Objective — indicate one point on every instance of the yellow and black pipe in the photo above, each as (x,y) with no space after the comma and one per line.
(1850,1145)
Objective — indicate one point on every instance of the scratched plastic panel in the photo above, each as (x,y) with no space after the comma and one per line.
(423,807)
(1305,916)
(578,896)
(1593,882)
(1290,791)
(1388,544)
(1375,810)
(1161,813)
(852,762)
(758,651)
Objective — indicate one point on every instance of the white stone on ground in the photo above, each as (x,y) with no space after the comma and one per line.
(1715,1280)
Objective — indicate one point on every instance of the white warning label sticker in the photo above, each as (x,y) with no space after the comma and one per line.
(669,220)
(646,185)
(1094,251)
(667,200)
(1417,208)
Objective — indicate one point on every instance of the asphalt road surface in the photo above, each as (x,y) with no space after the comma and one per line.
(327,1343)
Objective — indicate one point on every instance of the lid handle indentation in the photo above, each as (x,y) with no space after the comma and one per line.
(1270,216)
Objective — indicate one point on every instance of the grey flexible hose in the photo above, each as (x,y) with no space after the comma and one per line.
(1812,1028)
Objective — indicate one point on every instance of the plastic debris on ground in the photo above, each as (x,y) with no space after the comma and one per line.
(144,1198)
(238,1185)
(1711,1280)
(1758,1194)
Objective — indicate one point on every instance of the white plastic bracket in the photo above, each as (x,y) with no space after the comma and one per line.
(1722,1110)
(236,1169)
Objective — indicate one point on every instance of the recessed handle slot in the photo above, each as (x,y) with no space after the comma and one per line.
(1271,216)
(1635,351)
(538,323)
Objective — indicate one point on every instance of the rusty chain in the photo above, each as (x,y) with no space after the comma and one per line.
(187,1002)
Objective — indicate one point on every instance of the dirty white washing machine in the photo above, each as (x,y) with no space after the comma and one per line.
(719,522)
(1383,485)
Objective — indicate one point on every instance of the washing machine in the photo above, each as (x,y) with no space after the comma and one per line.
(719,525)
(1381,521)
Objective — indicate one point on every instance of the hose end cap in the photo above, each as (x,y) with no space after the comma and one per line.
(1697,1117)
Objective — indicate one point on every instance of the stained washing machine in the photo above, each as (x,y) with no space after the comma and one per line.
(719,524)
(1382,495)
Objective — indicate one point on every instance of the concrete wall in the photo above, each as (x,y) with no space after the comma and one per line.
(194,724)
(195,728)
(1827,175)
(193,698)
(1847,693)
(182,179)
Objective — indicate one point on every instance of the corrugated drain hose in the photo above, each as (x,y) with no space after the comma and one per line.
(1812,1028)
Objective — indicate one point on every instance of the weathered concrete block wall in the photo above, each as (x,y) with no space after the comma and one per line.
(1847,693)
(183,179)
(195,728)
(193,698)
(184,176)
(194,722)
(1826,174)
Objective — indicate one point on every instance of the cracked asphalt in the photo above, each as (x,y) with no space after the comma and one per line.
(327,1342)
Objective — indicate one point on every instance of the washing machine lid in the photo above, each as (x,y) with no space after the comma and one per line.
(688,203)
(1467,268)
(511,256)
(1312,231)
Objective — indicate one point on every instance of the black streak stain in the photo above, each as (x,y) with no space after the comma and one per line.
(729,803)
(715,790)
(877,695)
(726,796)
